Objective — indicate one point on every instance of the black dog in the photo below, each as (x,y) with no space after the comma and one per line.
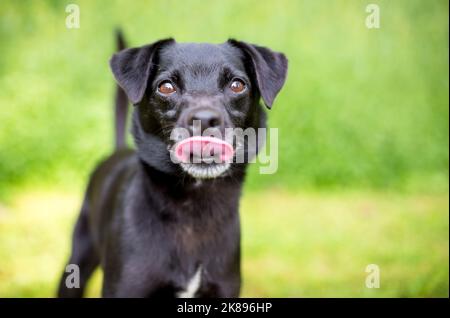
(160,228)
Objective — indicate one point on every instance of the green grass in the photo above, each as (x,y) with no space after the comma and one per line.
(294,244)
(361,107)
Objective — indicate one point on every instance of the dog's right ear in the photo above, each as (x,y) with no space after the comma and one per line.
(133,67)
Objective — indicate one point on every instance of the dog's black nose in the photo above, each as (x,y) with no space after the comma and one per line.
(206,117)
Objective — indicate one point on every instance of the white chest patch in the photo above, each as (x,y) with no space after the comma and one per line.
(192,286)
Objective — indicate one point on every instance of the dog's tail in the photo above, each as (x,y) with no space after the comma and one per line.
(121,102)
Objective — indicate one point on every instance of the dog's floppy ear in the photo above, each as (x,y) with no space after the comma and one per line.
(270,69)
(133,67)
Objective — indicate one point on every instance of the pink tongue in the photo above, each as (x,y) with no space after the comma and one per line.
(204,147)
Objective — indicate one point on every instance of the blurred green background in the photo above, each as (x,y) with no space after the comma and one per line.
(363,151)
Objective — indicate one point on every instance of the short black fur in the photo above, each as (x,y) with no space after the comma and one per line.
(144,220)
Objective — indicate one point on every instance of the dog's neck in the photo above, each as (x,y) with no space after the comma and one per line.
(183,193)
(179,180)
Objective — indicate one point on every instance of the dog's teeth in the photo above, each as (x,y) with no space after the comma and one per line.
(202,172)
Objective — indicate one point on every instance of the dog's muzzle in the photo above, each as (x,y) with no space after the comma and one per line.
(202,151)
(203,157)
(199,149)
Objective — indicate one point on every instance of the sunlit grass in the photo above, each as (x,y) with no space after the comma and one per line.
(294,244)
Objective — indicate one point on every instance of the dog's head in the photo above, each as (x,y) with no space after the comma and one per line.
(197,91)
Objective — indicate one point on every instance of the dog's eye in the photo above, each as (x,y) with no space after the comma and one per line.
(237,86)
(166,88)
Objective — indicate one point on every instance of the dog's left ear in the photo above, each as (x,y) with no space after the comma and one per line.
(133,67)
(270,69)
